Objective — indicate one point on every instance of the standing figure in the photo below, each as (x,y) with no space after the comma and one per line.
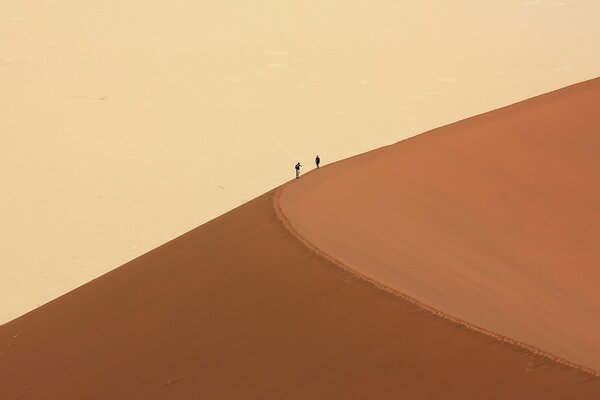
(298,165)
(318,160)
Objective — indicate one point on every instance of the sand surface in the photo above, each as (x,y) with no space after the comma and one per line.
(124,123)
(239,308)
(493,220)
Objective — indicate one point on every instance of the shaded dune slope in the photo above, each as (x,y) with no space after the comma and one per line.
(493,220)
(240,308)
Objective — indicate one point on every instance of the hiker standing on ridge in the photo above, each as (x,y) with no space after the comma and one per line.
(298,165)
(318,160)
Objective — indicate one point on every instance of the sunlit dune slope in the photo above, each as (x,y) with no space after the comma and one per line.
(494,220)
(240,308)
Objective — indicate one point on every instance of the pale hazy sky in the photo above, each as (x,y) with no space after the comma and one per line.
(126,123)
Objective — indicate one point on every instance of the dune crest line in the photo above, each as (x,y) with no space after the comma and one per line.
(240,307)
(249,306)
(532,349)
(488,222)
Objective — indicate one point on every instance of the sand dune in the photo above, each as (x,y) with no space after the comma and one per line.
(493,220)
(240,307)
(124,123)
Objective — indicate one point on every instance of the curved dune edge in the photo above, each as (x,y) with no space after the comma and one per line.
(538,352)
(324,188)
(241,308)
(245,307)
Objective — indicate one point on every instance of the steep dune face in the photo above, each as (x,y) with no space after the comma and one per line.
(240,308)
(493,220)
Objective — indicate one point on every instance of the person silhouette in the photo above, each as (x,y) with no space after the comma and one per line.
(298,165)
(318,160)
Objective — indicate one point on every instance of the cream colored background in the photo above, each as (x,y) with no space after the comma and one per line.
(126,123)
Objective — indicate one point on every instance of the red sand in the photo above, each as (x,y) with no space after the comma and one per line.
(494,220)
(241,308)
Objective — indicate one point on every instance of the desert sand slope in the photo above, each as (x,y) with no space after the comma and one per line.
(239,308)
(494,220)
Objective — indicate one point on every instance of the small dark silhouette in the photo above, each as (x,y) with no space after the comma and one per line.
(318,160)
(298,165)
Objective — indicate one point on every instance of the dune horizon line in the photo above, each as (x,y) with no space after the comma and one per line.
(254,303)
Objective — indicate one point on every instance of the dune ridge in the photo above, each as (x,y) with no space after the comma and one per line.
(240,308)
(245,306)
(490,220)
(438,313)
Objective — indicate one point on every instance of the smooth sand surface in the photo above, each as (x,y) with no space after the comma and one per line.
(493,220)
(240,308)
(126,123)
